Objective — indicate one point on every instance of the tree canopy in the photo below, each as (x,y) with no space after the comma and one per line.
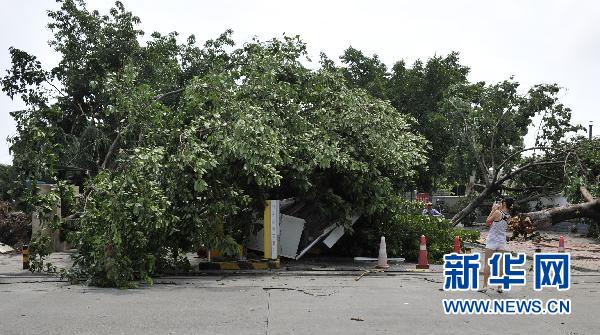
(476,131)
(418,91)
(182,141)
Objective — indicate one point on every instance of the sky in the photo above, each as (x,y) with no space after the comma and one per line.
(536,41)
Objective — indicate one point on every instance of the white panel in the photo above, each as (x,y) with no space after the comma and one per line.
(315,241)
(334,236)
(289,239)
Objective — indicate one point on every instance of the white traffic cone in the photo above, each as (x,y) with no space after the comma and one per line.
(382,259)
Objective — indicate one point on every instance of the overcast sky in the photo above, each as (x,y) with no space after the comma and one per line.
(536,41)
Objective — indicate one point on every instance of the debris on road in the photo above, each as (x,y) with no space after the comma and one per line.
(585,251)
(5,249)
(521,225)
(366,272)
(298,290)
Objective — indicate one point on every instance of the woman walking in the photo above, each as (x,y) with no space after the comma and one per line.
(496,239)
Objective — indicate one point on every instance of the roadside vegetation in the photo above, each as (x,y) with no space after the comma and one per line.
(176,144)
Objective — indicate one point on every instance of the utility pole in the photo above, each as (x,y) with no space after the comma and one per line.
(590,132)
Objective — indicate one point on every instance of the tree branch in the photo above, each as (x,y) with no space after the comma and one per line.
(478,156)
(523,189)
(493,145)
(547,217)
(115,142)
(525,167)
(522,151)
(113,147)
(543,176)
(586,194)
(534,197)
(164,95)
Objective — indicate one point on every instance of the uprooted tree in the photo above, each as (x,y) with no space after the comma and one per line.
(581,184)
(491,122)
(476,131)
(181,142)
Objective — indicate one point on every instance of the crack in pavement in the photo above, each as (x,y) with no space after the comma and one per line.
(268,312)
(431,280)
(298,290)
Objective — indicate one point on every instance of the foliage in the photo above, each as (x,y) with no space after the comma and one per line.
(404,229)
(183,143)
(402,225)
(15,226)
(583,169)
(6,177)
(41,243)
(492,120)
(124,226)
(40,248)
(403,233)
(417,91)
(475,130)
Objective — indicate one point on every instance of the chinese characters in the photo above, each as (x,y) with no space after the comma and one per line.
(550,270)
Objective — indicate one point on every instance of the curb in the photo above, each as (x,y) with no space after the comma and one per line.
(355,269)
(240,265)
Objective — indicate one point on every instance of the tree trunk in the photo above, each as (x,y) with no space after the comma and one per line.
(548,217)
(586,194)
(474,204)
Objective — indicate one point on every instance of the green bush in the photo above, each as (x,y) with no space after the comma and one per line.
(124,231)
(402,225)
(403,232)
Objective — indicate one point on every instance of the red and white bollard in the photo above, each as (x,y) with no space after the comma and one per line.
(561,244)
(423,262)
(456,247)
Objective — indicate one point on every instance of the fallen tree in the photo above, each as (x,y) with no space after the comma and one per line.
(580,184)
(183,142)
(496,183)
(580,168)
(589,209)
(491,122)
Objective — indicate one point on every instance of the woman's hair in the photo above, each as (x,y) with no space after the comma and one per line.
(508,202)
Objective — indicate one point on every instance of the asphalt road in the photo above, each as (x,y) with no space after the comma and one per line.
(279,303)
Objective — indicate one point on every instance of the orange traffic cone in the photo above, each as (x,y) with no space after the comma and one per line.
(456,247)
(423,262)
(382,259)
(561,244)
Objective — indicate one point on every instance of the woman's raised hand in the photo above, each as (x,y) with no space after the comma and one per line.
(495,206)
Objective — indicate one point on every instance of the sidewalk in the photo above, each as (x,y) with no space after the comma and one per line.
(12,265)
(585,252)
(349,264)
